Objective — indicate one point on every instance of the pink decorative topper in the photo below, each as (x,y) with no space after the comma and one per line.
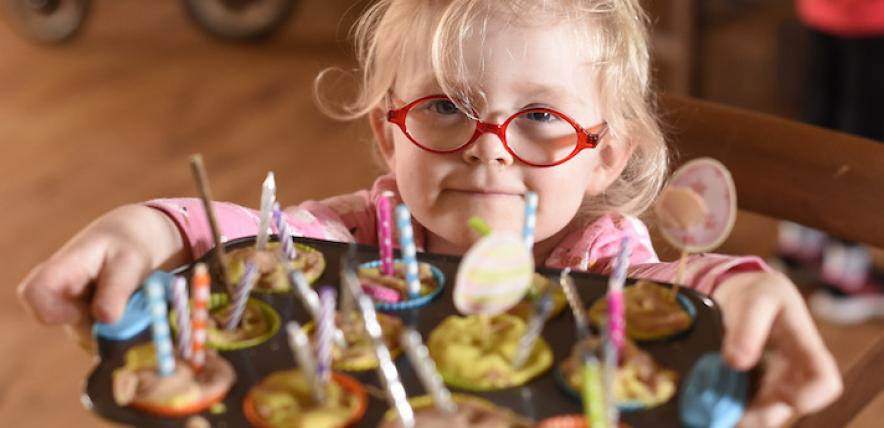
(698,208)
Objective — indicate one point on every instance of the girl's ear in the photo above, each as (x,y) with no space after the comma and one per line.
(383,135)
(613,158)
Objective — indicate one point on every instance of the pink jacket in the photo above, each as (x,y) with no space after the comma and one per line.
(351,218)
(846,18)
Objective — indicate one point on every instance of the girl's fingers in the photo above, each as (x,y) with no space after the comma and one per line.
(53,291)
(766,414)
(748,319)
(814,380)
(121,274)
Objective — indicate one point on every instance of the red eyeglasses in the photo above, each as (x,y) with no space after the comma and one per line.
(539,137)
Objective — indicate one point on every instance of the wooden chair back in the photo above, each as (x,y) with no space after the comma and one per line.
(788,170)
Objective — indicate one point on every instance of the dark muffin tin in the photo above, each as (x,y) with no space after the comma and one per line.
(538,399)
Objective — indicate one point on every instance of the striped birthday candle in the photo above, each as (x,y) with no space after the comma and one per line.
(181,303)
(241,295)
(409,252)
(616,321)
(199,321)
(324,332)
(530,219)
(285,236)
(156,301)
(385,233)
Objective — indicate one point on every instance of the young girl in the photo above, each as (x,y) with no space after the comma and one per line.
(472,104)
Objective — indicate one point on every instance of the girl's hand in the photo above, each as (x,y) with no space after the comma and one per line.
(764,310)
(92,276)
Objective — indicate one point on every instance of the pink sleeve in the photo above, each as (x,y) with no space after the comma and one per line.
(595,247)
(309,220)
(703,272)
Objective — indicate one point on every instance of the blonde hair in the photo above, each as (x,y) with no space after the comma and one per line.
(616,38)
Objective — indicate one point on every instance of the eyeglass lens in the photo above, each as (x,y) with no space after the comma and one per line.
(536,136)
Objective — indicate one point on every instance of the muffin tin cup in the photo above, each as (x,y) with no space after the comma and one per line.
(311,276)
(569,421)
(346,382)
(424,401)
(417,302)
(685,303)
(357,366)
(219,300)
(623,406)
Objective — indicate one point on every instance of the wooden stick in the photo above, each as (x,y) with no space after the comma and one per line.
(679,276)
(202,184)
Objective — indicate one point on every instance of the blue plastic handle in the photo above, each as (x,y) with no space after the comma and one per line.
(136,318)
(713,395)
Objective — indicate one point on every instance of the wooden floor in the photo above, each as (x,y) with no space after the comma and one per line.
(112,119)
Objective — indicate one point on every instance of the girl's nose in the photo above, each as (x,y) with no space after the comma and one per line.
(488,149)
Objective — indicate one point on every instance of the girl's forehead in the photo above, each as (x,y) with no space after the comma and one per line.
(545,62)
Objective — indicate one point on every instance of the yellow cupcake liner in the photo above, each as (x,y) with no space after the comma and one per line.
(370,362)
(539,361)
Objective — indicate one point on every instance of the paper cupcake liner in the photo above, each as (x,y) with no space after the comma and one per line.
(562,383)
(405,305)
(569,421)
(174,412)
(346,382)
(540,362)
(311,276)
(362,364)
(425,401)
(217,300)
(685,303)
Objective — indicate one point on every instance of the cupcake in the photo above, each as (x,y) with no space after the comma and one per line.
(283,399)
(138,384)
(259,323)
(391,292)
(272,274)
(569,421)
(651,314)
(360,354)
(472,412)
(640,382)
(478,355)
(539,284)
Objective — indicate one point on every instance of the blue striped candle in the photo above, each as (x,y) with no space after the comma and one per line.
(241,295)
(285,236)
(530,219)
(409,252)
(156,301)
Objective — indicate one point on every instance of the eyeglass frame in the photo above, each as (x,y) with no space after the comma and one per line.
(586,138)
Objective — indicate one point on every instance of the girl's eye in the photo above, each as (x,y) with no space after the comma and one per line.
(540,116)
(442,107)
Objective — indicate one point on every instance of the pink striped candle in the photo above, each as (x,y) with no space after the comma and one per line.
(199,322)
(241,295)
(324,331)
(385,232)
(285,236)
(181,304)
(616,322)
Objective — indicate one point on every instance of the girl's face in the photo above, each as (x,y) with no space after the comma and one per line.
(515,68)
